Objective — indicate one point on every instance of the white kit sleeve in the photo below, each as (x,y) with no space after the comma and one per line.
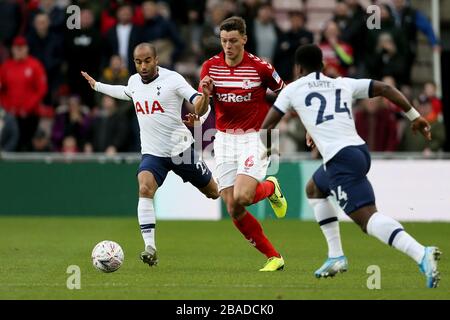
(115,91)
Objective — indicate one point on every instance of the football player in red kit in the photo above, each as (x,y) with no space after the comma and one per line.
(238,81)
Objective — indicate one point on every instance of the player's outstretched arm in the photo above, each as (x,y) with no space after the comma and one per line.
(418,123)
(118,92)
(201,104)
(89,79)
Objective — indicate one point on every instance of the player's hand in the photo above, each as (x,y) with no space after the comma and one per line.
(207,85)
(192,120)
(421,125)
(89,79)
(309,141)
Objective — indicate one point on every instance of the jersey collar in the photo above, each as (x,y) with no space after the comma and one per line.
(244,59)
(315,75)
(151,79)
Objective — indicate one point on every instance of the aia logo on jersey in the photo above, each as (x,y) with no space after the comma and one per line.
(232,97)
(156,107)
(249,163)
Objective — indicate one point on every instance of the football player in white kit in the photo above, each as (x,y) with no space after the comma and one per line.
(166,143)
(325,108)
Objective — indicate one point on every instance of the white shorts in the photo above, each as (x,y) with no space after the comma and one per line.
(238,154)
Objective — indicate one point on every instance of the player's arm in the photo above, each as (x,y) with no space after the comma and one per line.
(391,93)
(193,120)
(115,91)
(201,103)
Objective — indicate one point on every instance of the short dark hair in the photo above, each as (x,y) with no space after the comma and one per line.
(149,45)
(234,23)
(309,57)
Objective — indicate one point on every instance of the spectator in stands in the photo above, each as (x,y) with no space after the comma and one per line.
(187,11)
(72,120)
(41,142)
(376,125)
(210,38)
(69,145)
(9,132)
(95,7)
(10,18)
(265,33)
(410,21)
(53,11)
(23,85)
(288,42)
(351,18)
(387,26)
(116,73)
(436,103)
(109,131)
(386,60)
(162,33)
(415,143)
(248,10)
(191,21)
(337,55)
(47,46)
(83,52)
(123,37)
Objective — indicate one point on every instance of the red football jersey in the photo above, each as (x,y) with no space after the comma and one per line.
(240,91)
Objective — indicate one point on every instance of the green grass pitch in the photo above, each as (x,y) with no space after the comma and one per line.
(205,260)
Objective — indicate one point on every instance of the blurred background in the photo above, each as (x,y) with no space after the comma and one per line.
(55,129)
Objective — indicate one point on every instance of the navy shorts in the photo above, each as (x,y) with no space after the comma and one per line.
(344,177)
(187,165)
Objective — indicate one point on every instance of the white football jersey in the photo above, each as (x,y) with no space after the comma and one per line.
(325,107)
(158,109)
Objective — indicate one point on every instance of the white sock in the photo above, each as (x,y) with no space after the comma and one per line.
(391,232)
(326,216)
(146,217)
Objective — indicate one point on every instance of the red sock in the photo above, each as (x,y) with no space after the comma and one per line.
(263,190)
(253,232)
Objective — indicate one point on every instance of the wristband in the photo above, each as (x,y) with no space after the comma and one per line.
(412,114)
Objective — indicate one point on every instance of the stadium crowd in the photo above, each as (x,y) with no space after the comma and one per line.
(46,106)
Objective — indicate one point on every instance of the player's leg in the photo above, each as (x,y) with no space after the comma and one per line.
(151,174)
(392,233)
(357,199)
(252,230)
(244,190)
(211,190)
(249,187)
(197,173)
(228,149)
(317,191)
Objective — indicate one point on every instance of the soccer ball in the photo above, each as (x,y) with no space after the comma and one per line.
(107,256)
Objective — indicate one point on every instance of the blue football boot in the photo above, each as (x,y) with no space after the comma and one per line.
(331,267)
(428,266)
